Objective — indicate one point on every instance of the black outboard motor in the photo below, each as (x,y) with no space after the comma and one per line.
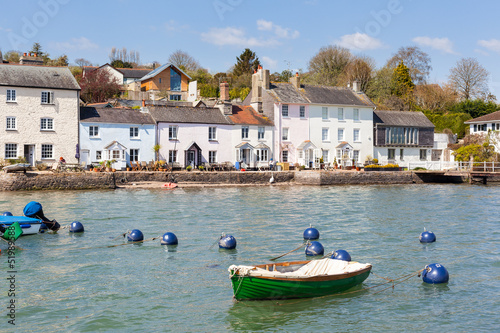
(34,209)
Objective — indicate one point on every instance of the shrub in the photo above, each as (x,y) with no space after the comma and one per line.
(189,167)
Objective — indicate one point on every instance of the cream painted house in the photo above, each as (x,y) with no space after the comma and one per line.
(39,113)
(314,122)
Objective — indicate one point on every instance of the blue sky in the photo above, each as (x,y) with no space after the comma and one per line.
(285,34)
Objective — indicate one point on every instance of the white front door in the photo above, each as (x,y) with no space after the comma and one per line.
(29,154)
(84,156)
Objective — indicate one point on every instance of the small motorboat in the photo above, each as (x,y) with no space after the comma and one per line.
(16,167)
(169,185)
(297,279)
(28,225)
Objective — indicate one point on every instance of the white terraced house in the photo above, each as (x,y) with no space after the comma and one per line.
(39,109)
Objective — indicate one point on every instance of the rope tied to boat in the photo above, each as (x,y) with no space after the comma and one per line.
(301,246)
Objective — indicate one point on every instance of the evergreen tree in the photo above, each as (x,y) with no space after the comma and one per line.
(402,85)
(246,63)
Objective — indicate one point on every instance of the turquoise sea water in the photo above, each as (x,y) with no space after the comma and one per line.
(75,283)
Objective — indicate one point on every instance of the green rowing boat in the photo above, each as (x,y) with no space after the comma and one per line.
(296,279)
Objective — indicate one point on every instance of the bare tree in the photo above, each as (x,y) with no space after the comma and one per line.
(328,65)
(123,55)
(184,61)
(417,61)
(83,62)
(359,69)
(469,78)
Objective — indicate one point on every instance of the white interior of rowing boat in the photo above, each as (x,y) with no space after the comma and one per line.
(325,266)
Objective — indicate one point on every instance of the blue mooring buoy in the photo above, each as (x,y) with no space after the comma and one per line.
(7,214)
(135,236)
(76,227)
(311,233)
(435,273)
(427,237)
(169,238)
(315,249)
(341,255)
(227,242)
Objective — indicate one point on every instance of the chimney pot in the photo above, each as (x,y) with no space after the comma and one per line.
(35,55)
(296,73)
(25,54)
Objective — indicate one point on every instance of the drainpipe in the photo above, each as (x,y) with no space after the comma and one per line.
(279,134)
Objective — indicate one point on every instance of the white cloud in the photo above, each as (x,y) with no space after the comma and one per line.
(233,36)
(492,44)
(441,44)
(481,52)
(238,37)
(279,31)
(360,42)
(269,62)
(5,29)
(81,43)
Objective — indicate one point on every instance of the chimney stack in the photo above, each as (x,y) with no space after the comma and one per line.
(356,86)
(224,91)
(295,80)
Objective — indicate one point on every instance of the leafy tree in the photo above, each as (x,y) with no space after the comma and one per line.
(12,56)
(62,61)
(98,86)
(452,121)
(208,90)
(120,64)
(380,87)
(469,78)
(475,108)
(328,65)
(246,63)
(417,61)
(184,61)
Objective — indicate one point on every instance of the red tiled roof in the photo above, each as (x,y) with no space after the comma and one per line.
(246,115)
(494,116)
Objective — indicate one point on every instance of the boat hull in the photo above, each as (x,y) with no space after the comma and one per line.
(254,288)
(28,225)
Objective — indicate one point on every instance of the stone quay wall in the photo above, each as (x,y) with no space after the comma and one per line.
(111,180)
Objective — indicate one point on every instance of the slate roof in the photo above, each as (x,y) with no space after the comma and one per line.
(114,116)
(246,115)
(336,96)
(401,118)
(160,69)
(310,94)
(184,114)
(494,116)
(37,77)
(286,93)
(133,73)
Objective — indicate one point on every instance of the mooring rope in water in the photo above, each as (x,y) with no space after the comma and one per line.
(141,241)
(15,246)
(301,246)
